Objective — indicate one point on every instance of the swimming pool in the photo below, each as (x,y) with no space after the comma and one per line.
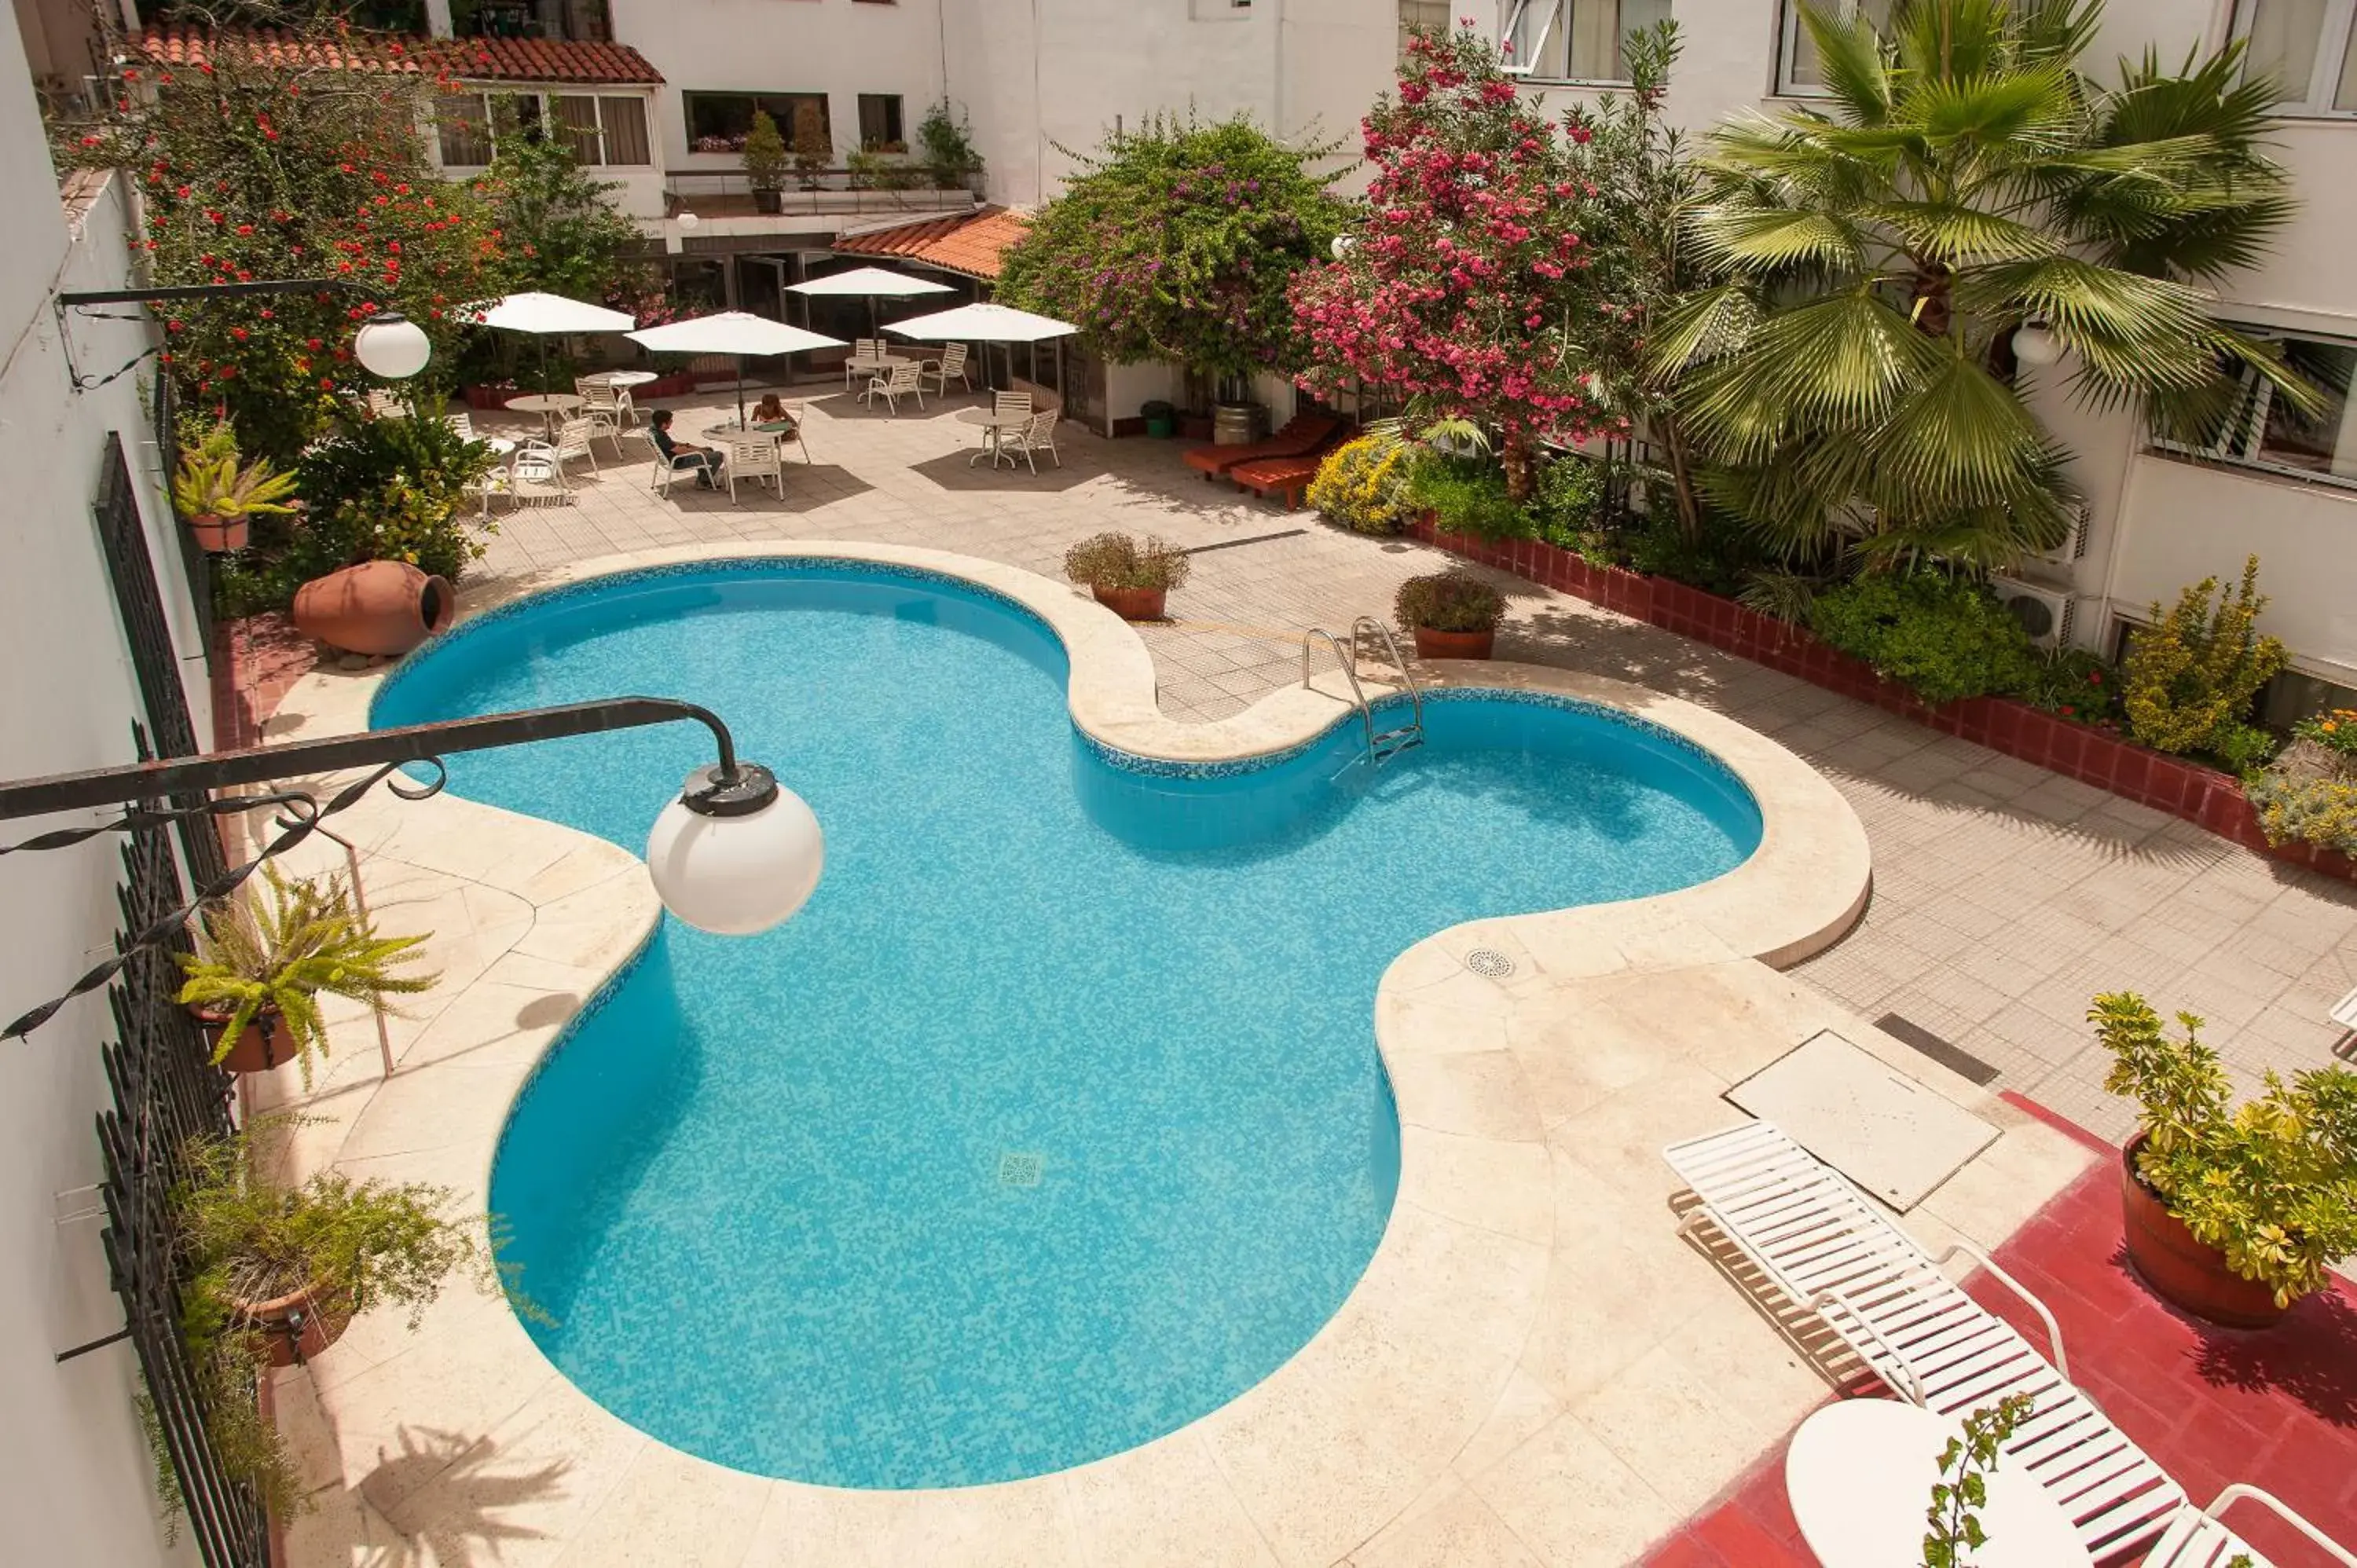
(1055,1120)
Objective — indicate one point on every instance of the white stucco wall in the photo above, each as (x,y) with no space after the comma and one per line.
(75,1485)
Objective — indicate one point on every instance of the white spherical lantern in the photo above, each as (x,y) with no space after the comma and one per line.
(687,220)
(391,345)
(1344,244)
(2034,343)
(740,865)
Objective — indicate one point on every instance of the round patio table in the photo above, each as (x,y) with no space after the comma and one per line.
(1860,1472)
(877,364)
(994,424)
(548,405)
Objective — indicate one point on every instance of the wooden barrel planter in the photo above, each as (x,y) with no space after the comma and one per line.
(377,607)
(2186,1271)
(1133,604)
(1433,644)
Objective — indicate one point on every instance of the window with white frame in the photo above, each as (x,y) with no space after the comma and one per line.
(2305,48)
(603,130)
(2262,429)
(1798,71)
(1572,40)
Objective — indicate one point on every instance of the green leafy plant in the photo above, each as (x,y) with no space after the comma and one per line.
(1719,556)
(1468,496)
(1945,637)
(947,141)
(2196,669)
(273,953)
(2272,1184)
(2308,794)
(564,233)
(1956,1531)
(1118,561)
(2241,748)
(210,483)
(1567,500)
(1780,594)
(877,169)
(812,150)
(1363,484)
(1449,601)
(2334,729)
(766,157)
(2072,683)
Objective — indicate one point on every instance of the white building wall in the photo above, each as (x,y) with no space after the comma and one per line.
(75,1483)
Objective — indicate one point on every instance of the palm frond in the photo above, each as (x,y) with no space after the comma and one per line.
(1763,240)
(1838,363)
(1960,235)
(1849,56)
(1960,440)
(1706,325)
(2020,110)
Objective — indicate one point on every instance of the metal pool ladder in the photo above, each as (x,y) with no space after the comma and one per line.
(1385,744)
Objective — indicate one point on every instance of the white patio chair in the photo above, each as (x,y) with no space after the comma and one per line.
(2344,1014)
(950,363)
(462,425)
(1035,435)
(755,458)
(499,479)
(385,405)
(1835,1253)
(901,382)
(1011,402)
(536,477)
(2196,1538)
(869,349)
(573,438)
(601,405)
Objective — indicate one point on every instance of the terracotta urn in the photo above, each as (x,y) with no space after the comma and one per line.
(1133,604)
(377,607)
(214,534)
(262,1045)
(1434,644)
(296,1326)
(2188,1272)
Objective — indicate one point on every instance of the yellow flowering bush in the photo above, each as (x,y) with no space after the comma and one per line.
(2310,792)
(2191,676)
(1363,484)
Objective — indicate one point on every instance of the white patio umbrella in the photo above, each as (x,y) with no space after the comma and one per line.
(546,316)
(870,283)
(987,323)
(735,333)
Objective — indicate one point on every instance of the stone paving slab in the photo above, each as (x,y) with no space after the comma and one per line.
(2006,896)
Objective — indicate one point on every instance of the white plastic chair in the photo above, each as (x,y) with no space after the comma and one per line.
(535,477)
(1835,1253)
(462,425)
(602,407)
(755,458)
(2344,1014)
(573,438)
(950,363)
(497,481)
(2196,1538)
(384,406)
(901,382)
(1035,435)
(1007,403)
(868,349)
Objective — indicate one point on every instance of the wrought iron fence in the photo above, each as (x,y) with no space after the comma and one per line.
(166,1092)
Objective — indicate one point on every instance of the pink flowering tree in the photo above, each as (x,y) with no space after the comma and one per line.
(1464,289)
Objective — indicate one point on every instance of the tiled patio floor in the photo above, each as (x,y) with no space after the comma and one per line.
(2005,896)
(2276,1407)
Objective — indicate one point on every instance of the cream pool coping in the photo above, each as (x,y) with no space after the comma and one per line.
(1533,1369)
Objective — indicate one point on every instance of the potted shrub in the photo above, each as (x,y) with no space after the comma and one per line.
(2231,1213)
(812,149)
(218,498)
(766,161)
(1130,578)
(1452,615)
(264,956)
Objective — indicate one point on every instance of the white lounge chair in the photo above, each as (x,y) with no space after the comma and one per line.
(2196,1538)
(2344,1014)
(462,425)
(901,381)
(950,363)
(1834,1252)
(755,458)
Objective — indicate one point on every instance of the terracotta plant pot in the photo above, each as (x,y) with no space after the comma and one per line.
(261,1045)
(215,534)
(377,607)
(2189,1273)
(1432,644)
(1133,604)
(296,1327)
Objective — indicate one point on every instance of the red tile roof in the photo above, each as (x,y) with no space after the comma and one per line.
(969,243)
(469,60)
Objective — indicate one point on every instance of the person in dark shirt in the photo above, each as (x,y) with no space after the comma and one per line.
(704,460)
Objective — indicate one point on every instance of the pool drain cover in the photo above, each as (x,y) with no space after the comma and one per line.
(1489,963)
(1019,1170)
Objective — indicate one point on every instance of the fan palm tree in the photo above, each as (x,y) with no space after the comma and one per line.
(1854,378)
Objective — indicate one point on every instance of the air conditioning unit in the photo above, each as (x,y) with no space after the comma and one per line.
(2073,545)
(2043,612)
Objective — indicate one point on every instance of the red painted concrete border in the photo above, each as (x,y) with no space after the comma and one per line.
(2182,788)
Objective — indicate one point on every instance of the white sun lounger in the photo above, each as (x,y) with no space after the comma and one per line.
(1834,1252)
(2197,1540)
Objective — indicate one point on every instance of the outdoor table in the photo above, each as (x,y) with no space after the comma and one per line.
(1860,1472)
(548,405)
(992,425)
(731,430)
(877,364)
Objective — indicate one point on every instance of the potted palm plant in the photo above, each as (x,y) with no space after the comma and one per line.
(218,498)
(2232,1212)
(766,161)
(1132,579)
(1451,615)
(263,956)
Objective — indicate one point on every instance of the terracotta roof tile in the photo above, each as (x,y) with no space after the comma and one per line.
(969,243)
(469,60)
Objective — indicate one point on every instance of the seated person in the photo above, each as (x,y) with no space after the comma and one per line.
(771,410)
(704,460)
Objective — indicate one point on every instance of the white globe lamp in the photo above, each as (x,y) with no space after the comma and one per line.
(687,220)
(391,345)
(1344,244)
(2034,343)
(735,853)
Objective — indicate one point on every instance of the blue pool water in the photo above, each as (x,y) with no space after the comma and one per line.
(1056,1120)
